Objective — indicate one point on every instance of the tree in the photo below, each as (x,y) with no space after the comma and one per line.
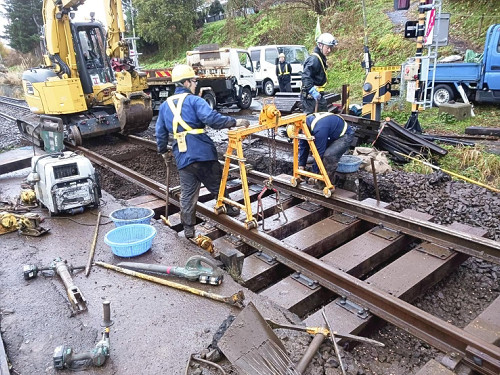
(215,8)
(167,23)
(24,18)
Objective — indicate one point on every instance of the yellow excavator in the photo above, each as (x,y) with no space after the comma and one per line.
(88,84)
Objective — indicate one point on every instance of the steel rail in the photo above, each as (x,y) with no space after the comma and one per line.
(478,354)
(7,116)
(478,247)
(475,246)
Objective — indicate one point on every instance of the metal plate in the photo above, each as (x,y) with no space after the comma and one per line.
(435,250)
(352,307)
(304,280)
(386,233)
(343,218)
(308,206)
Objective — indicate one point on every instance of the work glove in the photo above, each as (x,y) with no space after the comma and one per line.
(302,168)
(242,122)
(315,93)
(167,156)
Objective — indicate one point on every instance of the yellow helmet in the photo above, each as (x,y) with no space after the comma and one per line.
(182,72)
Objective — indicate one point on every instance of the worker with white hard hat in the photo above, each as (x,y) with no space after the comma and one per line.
(314,78)
(284,73)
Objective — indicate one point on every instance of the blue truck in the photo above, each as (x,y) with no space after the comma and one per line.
(480,81)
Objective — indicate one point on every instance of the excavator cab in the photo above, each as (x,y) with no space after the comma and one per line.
(77,85)
(91,47)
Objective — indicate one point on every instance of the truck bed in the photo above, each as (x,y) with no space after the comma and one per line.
(452,72)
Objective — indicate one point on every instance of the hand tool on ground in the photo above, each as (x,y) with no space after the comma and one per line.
(168,161)
(92,247)
(205,243)
(234,300)
(60,267)
(334,342)
(325,331)
(194,270)
(65,358)
(252,346)
(27,224)
(450,173)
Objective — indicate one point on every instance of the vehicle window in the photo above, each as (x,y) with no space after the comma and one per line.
(245,60)
(255,55)
(271,55)
(294,54)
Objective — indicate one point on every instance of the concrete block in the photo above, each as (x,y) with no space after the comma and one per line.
(460,111)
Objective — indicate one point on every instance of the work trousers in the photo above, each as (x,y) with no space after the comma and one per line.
(208,173)
(334,152)
(309,104)
(285,86)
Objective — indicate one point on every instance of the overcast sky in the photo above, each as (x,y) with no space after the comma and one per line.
(82,14)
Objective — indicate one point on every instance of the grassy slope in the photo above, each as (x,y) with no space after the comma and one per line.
(290,24)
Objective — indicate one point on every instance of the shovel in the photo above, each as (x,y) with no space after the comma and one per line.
(168,161)
(252,346)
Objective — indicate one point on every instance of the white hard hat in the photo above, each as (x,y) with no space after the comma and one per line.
(281,54)
(327,39)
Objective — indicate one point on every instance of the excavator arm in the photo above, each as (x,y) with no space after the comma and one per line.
(59,44)
(133,105)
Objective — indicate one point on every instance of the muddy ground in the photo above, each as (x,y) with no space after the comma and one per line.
(155,329)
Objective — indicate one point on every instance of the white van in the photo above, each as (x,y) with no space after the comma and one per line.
(265,58)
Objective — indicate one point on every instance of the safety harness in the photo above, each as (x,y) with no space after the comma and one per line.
(319,116)
(321,88)
(180,137)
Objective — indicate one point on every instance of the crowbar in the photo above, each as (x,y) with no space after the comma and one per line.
(235,300)
(168,161)
(92,248)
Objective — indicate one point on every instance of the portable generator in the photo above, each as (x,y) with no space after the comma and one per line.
(64,182)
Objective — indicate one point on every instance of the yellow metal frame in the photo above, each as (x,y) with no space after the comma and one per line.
(270,118)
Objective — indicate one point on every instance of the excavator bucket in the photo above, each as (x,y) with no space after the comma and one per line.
(135,112)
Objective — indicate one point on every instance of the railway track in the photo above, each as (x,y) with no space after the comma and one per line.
(357,260)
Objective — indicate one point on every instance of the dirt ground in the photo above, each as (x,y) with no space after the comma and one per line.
(155,327)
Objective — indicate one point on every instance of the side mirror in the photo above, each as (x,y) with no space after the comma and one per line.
(257,66)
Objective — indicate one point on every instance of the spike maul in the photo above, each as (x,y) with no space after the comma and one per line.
(270,118)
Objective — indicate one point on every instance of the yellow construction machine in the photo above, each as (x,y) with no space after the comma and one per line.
(88,84)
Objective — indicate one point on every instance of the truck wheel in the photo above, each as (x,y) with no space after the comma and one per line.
(210,99)
(269,87)
(442,94)
(246,98)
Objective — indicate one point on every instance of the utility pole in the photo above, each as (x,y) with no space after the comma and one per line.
(413,124)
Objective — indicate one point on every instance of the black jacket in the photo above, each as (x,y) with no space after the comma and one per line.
(313,73)
(284,78)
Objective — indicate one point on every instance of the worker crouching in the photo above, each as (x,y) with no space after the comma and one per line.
(332,138)
(185,115)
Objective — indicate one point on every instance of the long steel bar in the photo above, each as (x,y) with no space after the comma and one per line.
(454,240)
(436,332)
(465,243)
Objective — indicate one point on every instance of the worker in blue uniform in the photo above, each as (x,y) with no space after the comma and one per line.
(332,138)
(284,73)
(185,115)
(314,77)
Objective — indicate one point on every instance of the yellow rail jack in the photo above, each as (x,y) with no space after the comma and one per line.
(269,118)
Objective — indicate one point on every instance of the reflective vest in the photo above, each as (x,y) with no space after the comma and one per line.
(286,69)
(321,88)
(319,116)
(180,137)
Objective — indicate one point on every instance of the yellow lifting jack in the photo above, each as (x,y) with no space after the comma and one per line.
(269,118)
